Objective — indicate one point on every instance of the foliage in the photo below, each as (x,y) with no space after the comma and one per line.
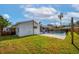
(3,22)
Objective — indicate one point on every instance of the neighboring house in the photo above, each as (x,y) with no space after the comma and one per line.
(44,28)
(6,29)
(9,30)
(27,28)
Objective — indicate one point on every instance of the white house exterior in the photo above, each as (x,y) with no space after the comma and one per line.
(27,28)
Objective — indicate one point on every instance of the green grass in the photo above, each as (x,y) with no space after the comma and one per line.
(37,44)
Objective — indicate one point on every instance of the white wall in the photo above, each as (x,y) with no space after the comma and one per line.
(24,29)
(37,30)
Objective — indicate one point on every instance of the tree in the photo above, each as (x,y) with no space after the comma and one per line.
(3,23)
(60,17)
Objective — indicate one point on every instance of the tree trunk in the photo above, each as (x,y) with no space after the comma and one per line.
(1,31)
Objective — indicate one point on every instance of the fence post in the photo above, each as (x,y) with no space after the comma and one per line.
(72,31)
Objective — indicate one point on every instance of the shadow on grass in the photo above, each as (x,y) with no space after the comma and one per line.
(75,46)
(13,37)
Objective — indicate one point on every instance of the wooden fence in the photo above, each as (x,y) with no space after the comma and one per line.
(10,32)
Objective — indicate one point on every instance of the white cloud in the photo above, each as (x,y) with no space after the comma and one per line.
(42,12)
(76,6)
(6,16)
(26,6)
(47,13)
(72,14)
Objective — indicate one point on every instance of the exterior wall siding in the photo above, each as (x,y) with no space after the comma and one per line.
(37,30)
(27,29)
(24,29)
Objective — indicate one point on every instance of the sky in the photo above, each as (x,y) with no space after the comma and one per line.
(44,13)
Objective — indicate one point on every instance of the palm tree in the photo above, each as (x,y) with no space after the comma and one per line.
(60,17)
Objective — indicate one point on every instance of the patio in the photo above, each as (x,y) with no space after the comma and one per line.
(55,36)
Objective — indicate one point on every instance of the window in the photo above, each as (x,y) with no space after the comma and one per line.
(35,27)
(17,30)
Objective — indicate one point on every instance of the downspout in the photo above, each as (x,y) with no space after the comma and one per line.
(33,27)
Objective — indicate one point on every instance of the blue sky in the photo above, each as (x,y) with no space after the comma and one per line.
(45,13)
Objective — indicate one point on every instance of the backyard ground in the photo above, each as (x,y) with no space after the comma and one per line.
(38,45)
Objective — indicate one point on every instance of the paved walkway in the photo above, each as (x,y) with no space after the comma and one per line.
(55,36)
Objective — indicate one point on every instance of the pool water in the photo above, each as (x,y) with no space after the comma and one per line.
(58,32)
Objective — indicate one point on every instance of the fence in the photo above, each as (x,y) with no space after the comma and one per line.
(10,32)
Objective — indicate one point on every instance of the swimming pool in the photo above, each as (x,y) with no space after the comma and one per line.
(55,34)
(58,32)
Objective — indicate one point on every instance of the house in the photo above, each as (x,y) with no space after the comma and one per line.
(27,28)
(43,29)
(9,30)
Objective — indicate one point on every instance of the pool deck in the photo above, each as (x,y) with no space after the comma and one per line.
(55,36)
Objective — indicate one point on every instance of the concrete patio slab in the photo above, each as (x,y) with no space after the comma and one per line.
(55,36)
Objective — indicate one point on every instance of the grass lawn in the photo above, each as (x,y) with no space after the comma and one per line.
(38,44)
